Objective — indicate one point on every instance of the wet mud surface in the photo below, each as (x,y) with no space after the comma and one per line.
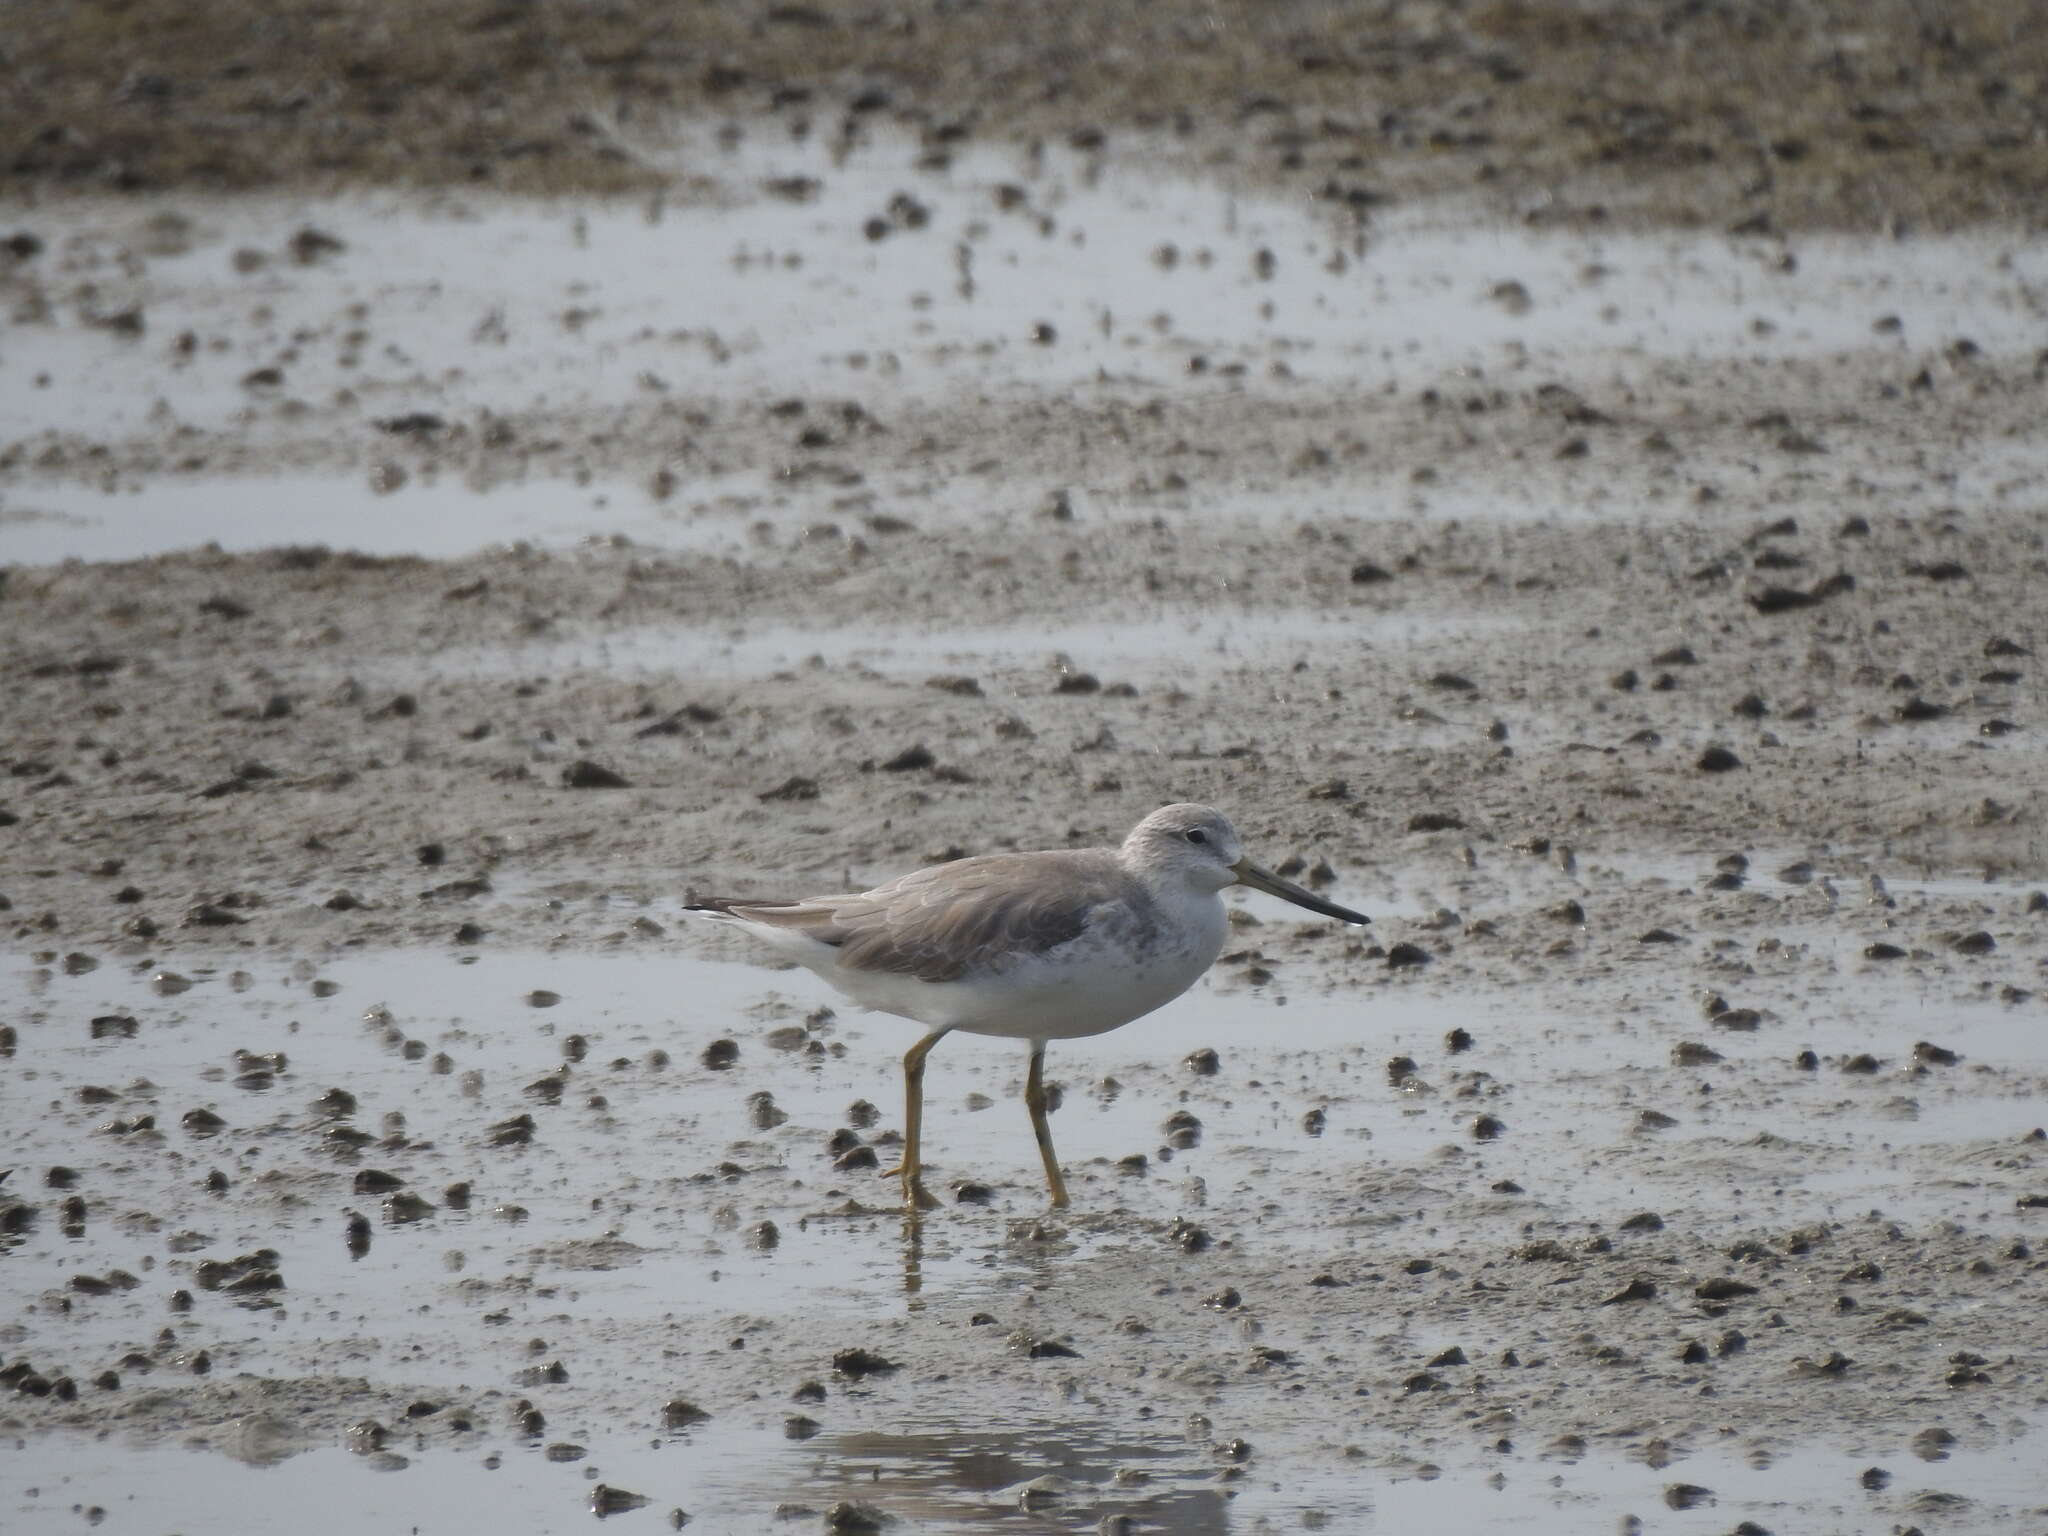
(410,598)
(1818,113)
(381,1209)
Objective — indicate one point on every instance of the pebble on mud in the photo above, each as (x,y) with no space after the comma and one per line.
(857,1363)
(607,1500)
(1723,1288)
(585,774)
(405,1206)
(849,1516)
(1635,1290)
(366,1436)
(681,1413)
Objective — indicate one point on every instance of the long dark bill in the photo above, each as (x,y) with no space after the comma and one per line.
(1265,880)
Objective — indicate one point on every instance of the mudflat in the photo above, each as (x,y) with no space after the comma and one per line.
(1567,483)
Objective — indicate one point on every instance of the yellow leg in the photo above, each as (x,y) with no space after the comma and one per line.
(911,1169)
(1034,1100)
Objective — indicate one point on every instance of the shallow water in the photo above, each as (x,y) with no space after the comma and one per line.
(1006,273)
(943,1476)
(635,1220)
(42,522)
(627,1240)
(1568,1086)
(1147,650)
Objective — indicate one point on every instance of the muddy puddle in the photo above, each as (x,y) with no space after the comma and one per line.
(1009,660)
(427,515)
(625,1194)
(694,372)
(1642,624)
(1054,1476)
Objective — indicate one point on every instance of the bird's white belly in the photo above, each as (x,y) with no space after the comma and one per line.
(1083,988)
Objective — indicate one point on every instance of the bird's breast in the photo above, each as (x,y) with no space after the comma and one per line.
(1116,971)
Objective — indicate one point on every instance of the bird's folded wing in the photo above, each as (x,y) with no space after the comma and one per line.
(974,915)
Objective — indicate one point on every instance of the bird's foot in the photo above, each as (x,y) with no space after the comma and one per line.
(915,1196)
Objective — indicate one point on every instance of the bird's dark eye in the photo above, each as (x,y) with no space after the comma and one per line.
(1196,835)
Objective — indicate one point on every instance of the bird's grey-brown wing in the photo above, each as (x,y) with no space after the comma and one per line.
(941,923)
